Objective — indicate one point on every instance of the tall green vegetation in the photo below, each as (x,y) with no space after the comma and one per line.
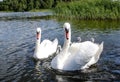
(89,9)
(26,5)
(80,9)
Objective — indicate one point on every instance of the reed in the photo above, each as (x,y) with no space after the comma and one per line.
(89,9)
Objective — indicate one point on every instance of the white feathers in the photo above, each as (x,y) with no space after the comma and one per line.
(45,48)
(76,56)
(73,56)
(38,30)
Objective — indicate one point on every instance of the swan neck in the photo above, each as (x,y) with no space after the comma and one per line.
(67,41)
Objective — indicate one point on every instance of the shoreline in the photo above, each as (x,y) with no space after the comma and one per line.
(33,10)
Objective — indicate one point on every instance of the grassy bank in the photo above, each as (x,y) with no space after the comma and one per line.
(34,10)
(89,9)
(41,10)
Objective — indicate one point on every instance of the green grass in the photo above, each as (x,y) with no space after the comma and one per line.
(89,9)
(35,10)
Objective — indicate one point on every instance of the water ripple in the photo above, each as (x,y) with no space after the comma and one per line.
(17,43)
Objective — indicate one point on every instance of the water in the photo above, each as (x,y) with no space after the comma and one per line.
(21,15)
(17,43)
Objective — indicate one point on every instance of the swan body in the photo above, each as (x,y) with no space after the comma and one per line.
(76,56)
(45,48)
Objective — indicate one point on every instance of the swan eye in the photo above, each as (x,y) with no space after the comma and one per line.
(66,30)
(37,32)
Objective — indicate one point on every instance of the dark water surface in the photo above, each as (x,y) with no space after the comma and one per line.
(17,43)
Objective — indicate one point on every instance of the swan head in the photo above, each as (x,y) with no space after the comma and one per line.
(38,32)
(67,30)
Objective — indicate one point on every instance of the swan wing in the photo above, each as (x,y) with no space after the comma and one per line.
(78,56)
(45,43)
(95,58)
(55,44)
(49,47)
(83,51)
(74,48)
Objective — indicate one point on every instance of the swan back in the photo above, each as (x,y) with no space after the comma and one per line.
(94,59)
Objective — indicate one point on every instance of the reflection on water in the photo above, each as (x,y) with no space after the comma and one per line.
(17,42)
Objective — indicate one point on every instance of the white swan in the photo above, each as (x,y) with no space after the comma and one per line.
(45,48)
(76,56)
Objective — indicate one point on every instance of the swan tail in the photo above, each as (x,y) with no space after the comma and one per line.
(95,58)
(97,55)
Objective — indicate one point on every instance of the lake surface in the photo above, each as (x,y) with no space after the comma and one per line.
(17,43)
